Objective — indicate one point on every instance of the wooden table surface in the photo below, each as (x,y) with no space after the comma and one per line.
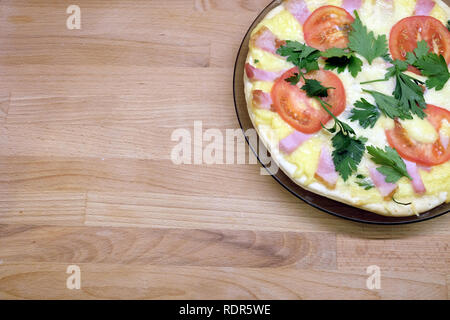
(86,118)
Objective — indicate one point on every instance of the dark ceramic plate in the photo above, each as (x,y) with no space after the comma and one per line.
(330,206)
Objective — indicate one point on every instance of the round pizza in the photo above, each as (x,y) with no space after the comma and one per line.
(352,99)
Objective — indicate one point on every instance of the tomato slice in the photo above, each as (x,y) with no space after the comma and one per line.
(328,27)
(301,112)
(407,32)
(427,154)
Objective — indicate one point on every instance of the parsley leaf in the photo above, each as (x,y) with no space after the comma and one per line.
(348,149)
(365,43)
(435,68)
(314,88)
(391,165)
(389,106)
(407,90)
(347,154)
(293,79)
(336,52)
(448,25)
(301,55)
(420,51)
(430,64)
(410,94)
(341,59)
(366,113)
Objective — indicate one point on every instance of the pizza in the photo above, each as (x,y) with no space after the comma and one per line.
(352,99)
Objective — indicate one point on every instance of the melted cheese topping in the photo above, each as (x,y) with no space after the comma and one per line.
(445,128)
(420,130)
(269,61)
(283,24)
(379,16)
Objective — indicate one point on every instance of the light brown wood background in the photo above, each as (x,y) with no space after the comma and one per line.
(85,175)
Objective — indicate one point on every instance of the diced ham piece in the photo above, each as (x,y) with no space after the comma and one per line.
(262,75)
(299,9)
(266,40)
(386,189)
(351,5)
(326,170)
(413,171)
(293,141)
(262,100)
(444,140)
(424,7)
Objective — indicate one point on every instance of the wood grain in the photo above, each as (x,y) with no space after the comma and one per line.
(45,207)
(130,246)
(86,118)
(421,253)
(156,282)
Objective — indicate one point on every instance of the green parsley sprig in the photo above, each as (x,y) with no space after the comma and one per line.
(314,88)
(347,154)
(306,59)
(361,41)
(341,59)
(408,91)
(365,113)
(348,149)
(301,55)
(368,114)
(430,64)
(389,106)
(294,79)
(365,43)
(391,164)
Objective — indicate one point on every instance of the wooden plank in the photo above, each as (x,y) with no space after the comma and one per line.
(126,96)
(420,253)
(178,211)
(104,281)
(116,175)
(142,142)
(66,208)
(132,26)
(239,192)
(153,210)
(171,247)
(113,125)
(93,51)
(197,5)
(158,110)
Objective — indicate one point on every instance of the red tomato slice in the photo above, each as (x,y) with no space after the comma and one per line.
(328,27)
(301,112)
(427,154)
(407,32)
